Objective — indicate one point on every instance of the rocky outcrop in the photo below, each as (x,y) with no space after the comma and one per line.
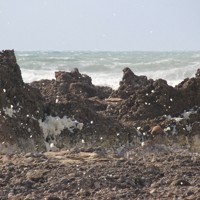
(103,129)
(70,111)
(147,99)
(145,103)
(72,94)
(20,108)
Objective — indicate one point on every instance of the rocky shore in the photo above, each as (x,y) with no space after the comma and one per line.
(66,138)
(86,174)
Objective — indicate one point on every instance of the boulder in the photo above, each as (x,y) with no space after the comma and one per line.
(145,103)
(146,99)
(69,111)
(21,106)
(72,95)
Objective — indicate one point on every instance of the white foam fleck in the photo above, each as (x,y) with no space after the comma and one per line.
(167,129)
(79,126)
(184,115)
(174,131)
(187,114)
(188,127)
(142,144)
(51,145)
(9,111)
(83,141)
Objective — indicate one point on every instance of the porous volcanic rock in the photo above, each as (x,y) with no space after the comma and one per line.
(30,114)
(20,108)
(72,94)
(145,98)
(146,103)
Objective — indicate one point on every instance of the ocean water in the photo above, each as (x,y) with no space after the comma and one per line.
(105,68)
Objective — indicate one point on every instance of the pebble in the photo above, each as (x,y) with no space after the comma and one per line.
(156,130)
(133,178)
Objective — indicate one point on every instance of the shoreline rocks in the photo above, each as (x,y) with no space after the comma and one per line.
(95,135)
(156,173)
(109,118)
(20,108)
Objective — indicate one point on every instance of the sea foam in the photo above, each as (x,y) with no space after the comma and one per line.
(53,126)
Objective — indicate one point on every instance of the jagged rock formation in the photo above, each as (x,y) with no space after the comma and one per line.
(20,108)
(50,111)
(146,103)
(143,98)
(70,111)
(72,94)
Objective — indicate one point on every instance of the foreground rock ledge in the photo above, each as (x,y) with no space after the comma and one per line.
(162,173)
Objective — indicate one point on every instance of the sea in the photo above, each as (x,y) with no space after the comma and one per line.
(105,68)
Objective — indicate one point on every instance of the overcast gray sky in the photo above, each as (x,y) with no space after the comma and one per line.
(105,25)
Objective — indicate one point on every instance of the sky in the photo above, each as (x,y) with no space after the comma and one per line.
(100,25)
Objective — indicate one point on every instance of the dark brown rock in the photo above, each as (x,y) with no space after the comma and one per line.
(72,94)
(109,117)
(149,99)
(156,130)
(198,73)
(20,108)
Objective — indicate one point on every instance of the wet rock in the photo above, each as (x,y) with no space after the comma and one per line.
(99,116)
(72,94)
(20,108)
(157,130)
(70,85)
(148,98)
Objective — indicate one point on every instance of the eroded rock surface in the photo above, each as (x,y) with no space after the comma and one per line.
(146,99)
(132,143)
(72,94)
(70,111)
(20,108)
